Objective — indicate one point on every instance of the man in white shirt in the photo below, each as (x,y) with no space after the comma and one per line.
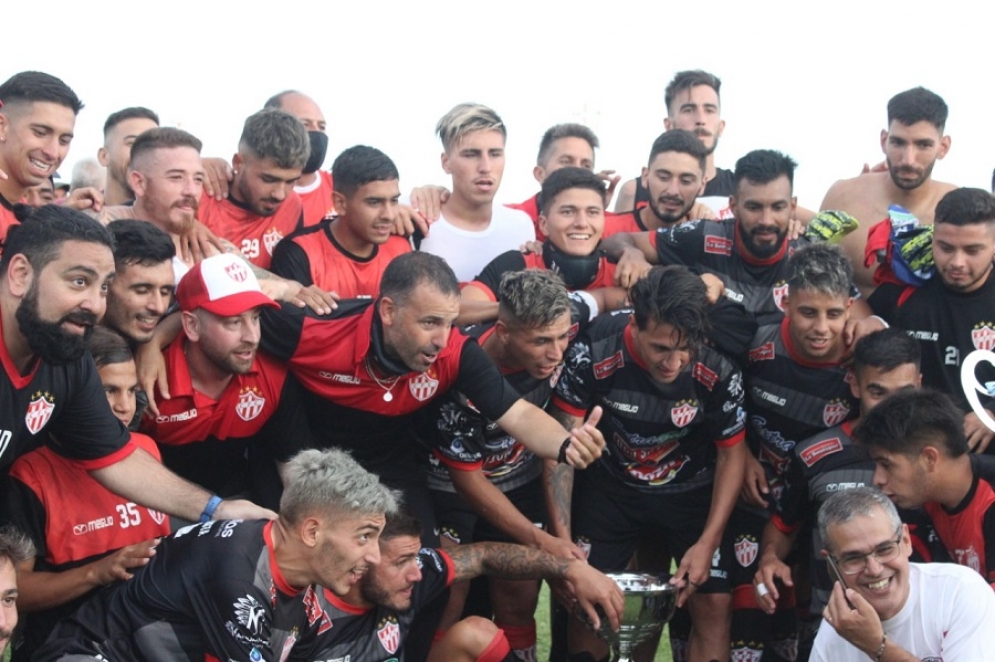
(893,610)
(472,230)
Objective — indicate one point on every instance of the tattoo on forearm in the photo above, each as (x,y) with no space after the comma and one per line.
(559,488)
(506,561)
(260,273)
(568,421)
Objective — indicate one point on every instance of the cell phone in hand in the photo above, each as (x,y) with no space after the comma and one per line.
(834,572)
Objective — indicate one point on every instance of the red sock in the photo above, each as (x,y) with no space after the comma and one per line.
(522,639)
(497,650)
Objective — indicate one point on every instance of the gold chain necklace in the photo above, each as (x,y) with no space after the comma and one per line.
(386,384)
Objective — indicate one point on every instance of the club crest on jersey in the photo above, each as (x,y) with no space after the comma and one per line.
(250,404)
(746,549)
(39,411)
(779,292)
(423,386)
(271,239)
(968,557)
(835,413)
(746,654)
(156,516)
(237,272)
(819,450)
(983,336)
(684,412)
(389,634)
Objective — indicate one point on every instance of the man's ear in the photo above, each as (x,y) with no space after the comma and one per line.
(191,325)
(387,310)
(884,141)
(20,275)
(445,163)
(944,147)
(103,157)
(931,456)
(309,531)
(137,182)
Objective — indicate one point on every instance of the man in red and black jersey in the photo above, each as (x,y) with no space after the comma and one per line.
(953,314)
(348,253)
(485,484)
(225,397)
(692,101)
(241,590)
(84,535)
(922,459)
(573,220)
(796,387)
(673,410)
(373,622)
(37,117)
(53,279)
(262,207)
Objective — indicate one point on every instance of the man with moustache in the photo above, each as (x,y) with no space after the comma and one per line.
(953,313)
(120,132)
(53,278)
(15,549)
(912,144)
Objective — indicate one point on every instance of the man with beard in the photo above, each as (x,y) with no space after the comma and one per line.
(15,549)
(372,622)
(692,100)
(912,143)
(120,131)
(748,253)
(53,278)
(262,207)
(225,398)
(953,313)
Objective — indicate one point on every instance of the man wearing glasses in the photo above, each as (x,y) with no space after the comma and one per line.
(893,610)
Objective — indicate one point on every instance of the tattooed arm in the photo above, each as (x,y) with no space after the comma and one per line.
(558,482)
(508,561)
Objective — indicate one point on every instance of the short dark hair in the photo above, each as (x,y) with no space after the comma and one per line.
(409,270)
(679,140)
(685,80)
(108,347)
(567,178)
(134,112)
(15,546)
(820,268)
(40,236)
(140,242)
(31,86)
(401,523)
(276,101)
(762,166)
(886,350)
(918,105)
(671,295)
(561,131)
(360,165)
(163,137)
(965,206)
(908,421)
(274,134)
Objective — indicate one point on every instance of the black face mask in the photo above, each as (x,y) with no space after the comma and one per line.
(319,146)
(576,271)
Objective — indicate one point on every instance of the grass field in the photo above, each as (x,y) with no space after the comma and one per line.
(542,627)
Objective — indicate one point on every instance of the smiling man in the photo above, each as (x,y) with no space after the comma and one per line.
(36,127)
(900,611)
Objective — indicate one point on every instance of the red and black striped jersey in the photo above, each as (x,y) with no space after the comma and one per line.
(256,236)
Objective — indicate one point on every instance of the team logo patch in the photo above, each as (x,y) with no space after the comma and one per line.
(779,292)
(389,634)
(746,549)
(555,377)
(584,545)
(819,450)
(763,353)
(250,404)
(746,654)
(605,368)
(835,413)
(237,272)
(271,239)
(156,516)
(684,412)
(968,557)
(250,615)
(314,612)
(718,245)
(983,336)
(39,411)
(423,386)
(704,375)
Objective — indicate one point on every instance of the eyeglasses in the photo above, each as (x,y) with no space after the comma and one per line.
(851,564)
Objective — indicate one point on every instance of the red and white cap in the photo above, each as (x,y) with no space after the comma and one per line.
(222,284)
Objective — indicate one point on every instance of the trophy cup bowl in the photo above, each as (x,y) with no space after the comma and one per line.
(650,601)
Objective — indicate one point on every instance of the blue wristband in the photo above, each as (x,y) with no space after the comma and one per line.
(212,505)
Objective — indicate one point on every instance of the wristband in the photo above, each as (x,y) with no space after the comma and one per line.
(212,505)
(880,652)
(561,457)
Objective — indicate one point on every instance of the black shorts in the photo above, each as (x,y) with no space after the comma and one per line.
(609,518)
(458,522)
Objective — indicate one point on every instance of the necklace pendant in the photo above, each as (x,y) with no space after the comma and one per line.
(388,396)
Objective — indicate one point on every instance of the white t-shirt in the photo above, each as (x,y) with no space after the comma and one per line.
(468,252)
(949,616)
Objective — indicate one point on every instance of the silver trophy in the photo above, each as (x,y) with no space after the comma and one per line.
(650,602)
